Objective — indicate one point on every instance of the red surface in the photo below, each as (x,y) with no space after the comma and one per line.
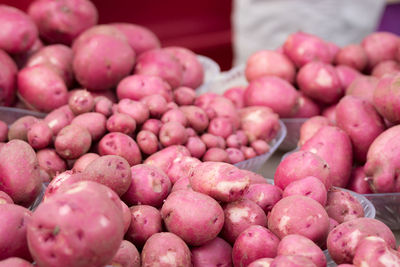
(202,26)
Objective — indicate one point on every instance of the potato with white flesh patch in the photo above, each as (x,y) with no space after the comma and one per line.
(216,252)
(185,210)
(309,187)
(72,141)
(342,206)
(181,167)
(263,194)
(374,251)
(126,256)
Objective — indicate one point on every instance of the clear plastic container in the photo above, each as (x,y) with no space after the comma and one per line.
(387,207)
(211,69)
(9,115)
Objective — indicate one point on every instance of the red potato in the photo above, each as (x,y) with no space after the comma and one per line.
(81,101)
(126,256)
(248,152)
(320,82)
(121,145)
(39,135)
(146,221)
(140,38)
(19,128)
(205,99)
(254,243)
(212,141)
(387,67)
(19,172)
(216,154)
(352,55)
(235,155)
(363,87)
(260,146)
(152,125)
(159,62)
(196,146)
(5,198)
(190,132)
(70,228)
(216,252)
(292,261)
(126,215)
(13,230)
(307,108)
(273,92)
(114,59)
(83,161)
(298,245)
(346,75)
(59,118)
(103,105)
(184,96)
(263,262)
(220,126)
(165,249)
(164,158)
(332,224)
(192,69)
(149,186)
(60,182)
(15,262)
(300,165)
(259,123)
(269,63)
(156,104)
(238,139)
(303,48)
(181,184)
(386,98)
(62,21)
(236,95)
(323,143)
(109,94)
(41,89)
(72,142)
(380,46)
(342,206)
(58,58)
(172,105)
(343,239)
(239,216)
(51,162)
(196,117)
(359,181)
(219,180)
(172,133)
(310,127)
(120,122)
(8,74)
(19,32)
(137,110)
(310,186)
(147,142)
(186,210)
(374,251)
(359,119)
(175,115)
(299,215)
(181,167)
(263,194)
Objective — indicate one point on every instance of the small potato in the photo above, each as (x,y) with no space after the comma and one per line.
(374,251)
(211,141)
(126,256)
(248,152)
(330,113)
(216,154)
(234,155)
(385,98)
(83,161)
(175,115)
(380,46)
(19,128)
(181,184)
(310,127)
(81,101)
(121,145)
(172,133)
(120,122)
(5,198)
(126,215)
(237,140)
(103,105)
(307,108)
(359,181)
(236,95)
(149,186)
(60,182)
(184,96)
(181,167)
(216,252)
(352,55)
(15,262)
(220,126)
(51,162)
(196,147)
(363,87)
(137,110)
(8,72)
(146,221)
(310,187)
(346,75)
(147,142)
(72,142)
(342,206)
(163,159)
(264,195)
(190,132)
(152,125)
(260,146)
(59,118)
(387,67)
(156,104)
(172,105)
(196,117)
(40,135)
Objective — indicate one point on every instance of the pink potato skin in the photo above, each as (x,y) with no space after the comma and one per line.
(216,252)
(59,118)
(63,229)
(299,165)
(159,62)
(307,108)
(386,98)
(126,215)
(387,67)
(63,21)
(19,128)
(19,172)
(275,93)
(39,135)
(263,262)
(299,215)
(121,145)
(269,63)
(103,105)
(51,162)
(164,158)
(81,101)
(137,110)
(359,182)
(5,198)
(196,146)
(41,89)
(156,104)
(72,141)
(120,122)
(292,261)
(235,155)
(181,167)
(342,206)
(146,221)
(236,95)
(15,262)
(310,127)
(320,82)
(147,142)
(152,125)
(216,154)
(340,162)
(13,231)
(172,133)
(220,126)
(21,58)
(310,187)
(61,181)
(343,239)
(196,117)
(373,251)
(330,113)
(301,246)
(240,215)
(184,95)
(19,32)
(346,75)
(254,243)
(181,184)
(126,256)
(352,55)
(211,141)
(264,195)
(175,115)
(83,161)
(359,119)
(103,72)
(260,146)
(137,86)
(185,210)
(140,38)
(149,186)
(248,152)
(363,87)
(163,246)
(8,74)
(380,46)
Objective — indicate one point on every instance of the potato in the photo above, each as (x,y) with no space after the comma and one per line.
(8,74)
(216,154)
(164,158)
(149,186)
(19,128)
(137,110)
(165,249)
(216,252)
(237,139)
(219,180)
(196,147)
(310,187)
(240,215)
(343,240)
(172,133)
(19,31)
(330,113)
(59,118)
(387,67)
(358,181)
(103,105)
(235,155)
(126,256)
(51,162)
(13,231)
(320,82)
(236,95)
(60,182)
(264,195)
(140,38)
(5,198)
(346,75)
(174,115)
(121,145)
(307,108)
(260,146)
(212,141)
(248,152)
(299,215)
(126,215)
(269,63)
(156,104)
(323,143)
(120,122)
(146,221)
(181,167)
(82,226)
(184,96)
(386,98)
(19,172)
(254,243)
(298,245)
(380,46)
(39,135)
(15,262)
(292,261)
(147,142)
(204,100)
(181,184)
(152,125)
(363,87)
(352,55)
(81,101)
(72,141)
(299,165)
(83,161)
(273,92)
(196,117)
(374,251)
(359,119)
(220,126)
(263,262)
(310,127)
(342,206)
